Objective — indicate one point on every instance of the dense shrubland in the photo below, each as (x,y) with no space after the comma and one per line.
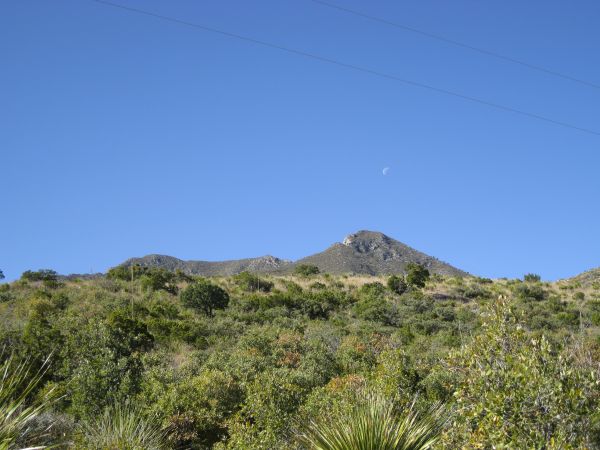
(145,358)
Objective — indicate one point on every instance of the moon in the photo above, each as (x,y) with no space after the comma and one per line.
(385,170)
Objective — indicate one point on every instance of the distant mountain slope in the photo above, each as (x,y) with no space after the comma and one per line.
(212,268)
(374,253)
(586,279)
(364,252)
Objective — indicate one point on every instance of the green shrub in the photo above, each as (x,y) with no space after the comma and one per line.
(306,270)
(416,275)
(155,279)
(205,297)
(40,275)
(532,278)
(252,283)
(373,423)
(18,381)
(397,284)
(123,428)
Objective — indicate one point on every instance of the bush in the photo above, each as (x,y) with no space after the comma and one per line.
(17,414)
(416,275)
(40,275)
(532,278)
(155,279)
(205,297)
(397,284)
(252,283)
(123,428)
(306,270)
(516,392)
(373,423)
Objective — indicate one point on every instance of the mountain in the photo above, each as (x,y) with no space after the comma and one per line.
(374,253)
(586,279)
(364,252)
(263,264)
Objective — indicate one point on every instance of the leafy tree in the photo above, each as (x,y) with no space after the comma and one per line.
(514,391)
(155,279)
(40,275)
(416,275)
(252,283)
(205,297)
(125,273)
(397,284)
(532,278)
(306,270)
(1,275)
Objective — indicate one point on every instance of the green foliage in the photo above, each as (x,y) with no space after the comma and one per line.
(532,278)
(515,391)
(205,297)
(126,273)
(397,284)
(123,428)
(40,275)
(373,423)
(416,275)
(155,279)
(270,361)
(306,270)
(252,283)
(18,381)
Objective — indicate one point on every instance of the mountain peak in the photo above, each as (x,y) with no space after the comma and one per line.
(364,252)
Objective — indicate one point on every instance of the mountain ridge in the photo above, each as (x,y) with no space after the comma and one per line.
(364,252)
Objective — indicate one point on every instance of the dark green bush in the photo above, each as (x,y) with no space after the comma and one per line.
(306,270)
(205,297)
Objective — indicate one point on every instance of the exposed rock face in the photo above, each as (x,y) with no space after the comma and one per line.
(364,252)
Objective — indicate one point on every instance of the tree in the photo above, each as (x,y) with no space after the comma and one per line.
(519,391)
(155,279)
(205,297)
(397,284)
(306,270)
(416,275)
(251,283)
(40,275)
(1,275)
(532,278)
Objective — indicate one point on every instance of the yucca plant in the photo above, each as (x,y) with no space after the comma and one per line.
(17,413)
(122,427)
(373,424)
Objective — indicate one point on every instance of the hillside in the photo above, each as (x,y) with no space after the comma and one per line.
(364,252)
(272,356)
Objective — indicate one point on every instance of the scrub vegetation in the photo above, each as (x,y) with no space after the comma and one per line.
(155,359)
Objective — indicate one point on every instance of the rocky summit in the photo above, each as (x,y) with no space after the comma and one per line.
(363,252)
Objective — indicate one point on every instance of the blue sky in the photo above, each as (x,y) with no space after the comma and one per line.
(123,135)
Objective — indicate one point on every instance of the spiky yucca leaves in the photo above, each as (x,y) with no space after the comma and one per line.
(17,383)
(373,424)
(122,427)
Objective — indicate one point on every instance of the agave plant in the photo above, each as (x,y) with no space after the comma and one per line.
(17,414)
(373,424)
(122,427)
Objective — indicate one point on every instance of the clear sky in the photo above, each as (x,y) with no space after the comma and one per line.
(123,135)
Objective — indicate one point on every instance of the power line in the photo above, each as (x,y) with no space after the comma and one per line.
(348,66)
(456,43)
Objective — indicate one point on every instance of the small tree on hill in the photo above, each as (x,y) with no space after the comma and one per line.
(205,297)
(306,270)
(532,278)
(397,284)
(416,275)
